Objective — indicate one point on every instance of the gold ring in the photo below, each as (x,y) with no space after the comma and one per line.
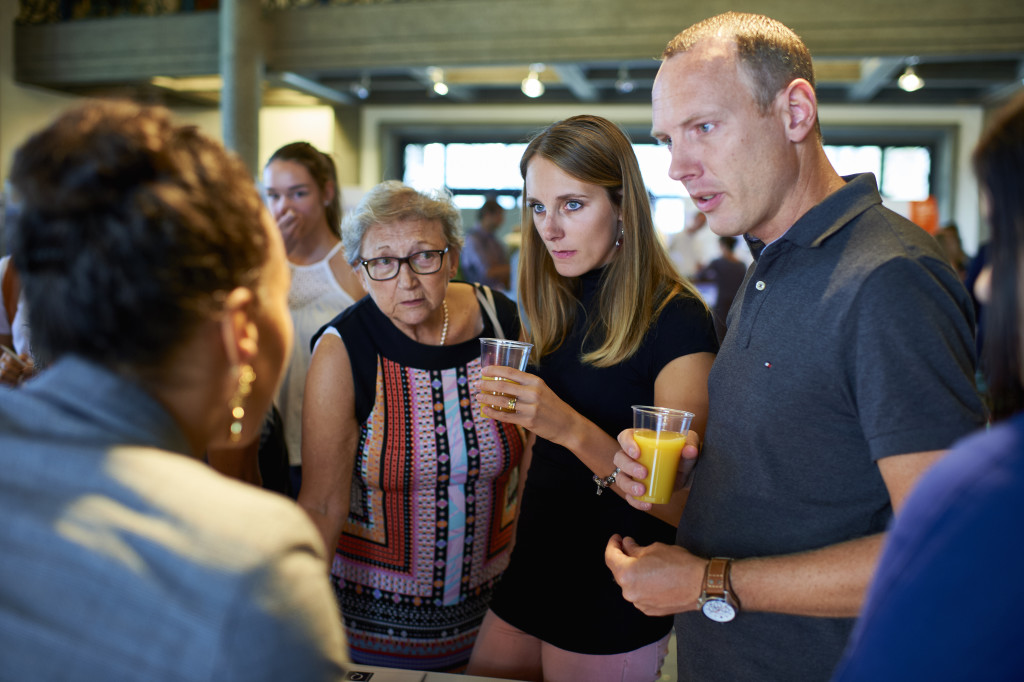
(511,404)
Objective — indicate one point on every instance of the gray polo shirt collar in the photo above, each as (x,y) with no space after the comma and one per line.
(835,211)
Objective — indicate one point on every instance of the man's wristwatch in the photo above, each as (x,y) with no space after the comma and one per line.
(717,601)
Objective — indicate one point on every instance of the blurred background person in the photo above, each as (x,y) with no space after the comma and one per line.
(16,363)
(388,417)
(959,531)
(948,237)
(300,186)
(613,326)
(692,246)
(156,285)
(726,272)
(977,282)
(484,257)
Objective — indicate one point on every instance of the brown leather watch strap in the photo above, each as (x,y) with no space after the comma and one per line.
(715,577)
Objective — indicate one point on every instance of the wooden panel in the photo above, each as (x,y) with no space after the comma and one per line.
(490,32)
(520,31)
(117,50)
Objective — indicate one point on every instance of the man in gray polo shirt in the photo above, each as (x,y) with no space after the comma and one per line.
(846,371)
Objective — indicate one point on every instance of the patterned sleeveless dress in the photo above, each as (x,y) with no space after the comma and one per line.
(433,499)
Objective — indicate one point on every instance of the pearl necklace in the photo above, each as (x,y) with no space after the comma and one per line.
(444,329)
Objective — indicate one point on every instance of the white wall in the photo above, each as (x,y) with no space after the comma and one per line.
(282,125)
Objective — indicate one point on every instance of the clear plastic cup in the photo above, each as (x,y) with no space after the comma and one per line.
(506,353)
(661,434)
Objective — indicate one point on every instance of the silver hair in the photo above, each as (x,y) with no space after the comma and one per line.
(392,201)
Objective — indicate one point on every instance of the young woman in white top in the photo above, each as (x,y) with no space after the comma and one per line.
(301,189)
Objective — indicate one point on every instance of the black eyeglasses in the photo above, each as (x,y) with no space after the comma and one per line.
(421,262)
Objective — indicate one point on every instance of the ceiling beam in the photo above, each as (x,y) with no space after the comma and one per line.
(574,78)
(310,87)
(876,73)
(998,95)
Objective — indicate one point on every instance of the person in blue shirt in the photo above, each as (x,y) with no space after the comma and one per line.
(945,603)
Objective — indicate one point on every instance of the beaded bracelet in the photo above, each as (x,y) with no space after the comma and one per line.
(603,483)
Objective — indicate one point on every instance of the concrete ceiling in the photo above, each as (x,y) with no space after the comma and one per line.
(591,51)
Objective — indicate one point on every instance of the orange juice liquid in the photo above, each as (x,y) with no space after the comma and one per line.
(659,453)
(500,409)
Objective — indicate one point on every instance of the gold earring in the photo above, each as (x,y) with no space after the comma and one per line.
(246,375)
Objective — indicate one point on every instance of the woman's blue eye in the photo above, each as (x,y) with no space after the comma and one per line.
(706,127)
(573,205)
(537,208)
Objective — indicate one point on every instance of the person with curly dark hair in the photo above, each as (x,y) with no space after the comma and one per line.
(156,285)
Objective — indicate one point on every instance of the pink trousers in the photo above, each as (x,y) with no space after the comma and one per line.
(505,651)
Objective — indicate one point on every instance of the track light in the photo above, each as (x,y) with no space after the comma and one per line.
(436,75)
(532,87)
(910,81)
(361,89)
(624,84)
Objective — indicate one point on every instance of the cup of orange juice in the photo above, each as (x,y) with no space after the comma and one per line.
(661,434)
(506,353)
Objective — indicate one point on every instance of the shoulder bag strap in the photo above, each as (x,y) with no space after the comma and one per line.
(486,298)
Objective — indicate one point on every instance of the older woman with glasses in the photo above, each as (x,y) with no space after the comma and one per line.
(414,488)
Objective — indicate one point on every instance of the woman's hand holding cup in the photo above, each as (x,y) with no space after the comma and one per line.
(633,473)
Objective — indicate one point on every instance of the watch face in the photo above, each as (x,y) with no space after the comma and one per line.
(718,610)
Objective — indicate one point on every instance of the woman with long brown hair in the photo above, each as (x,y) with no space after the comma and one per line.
(613,325)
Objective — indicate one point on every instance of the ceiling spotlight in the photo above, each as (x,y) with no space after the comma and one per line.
(624,84)
(532,87)
(910,81)
(436,75)
(361,89)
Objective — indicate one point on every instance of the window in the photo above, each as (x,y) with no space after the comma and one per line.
(473,171)
(903,173)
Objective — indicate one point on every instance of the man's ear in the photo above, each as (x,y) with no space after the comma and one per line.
(238,329)
(801,109)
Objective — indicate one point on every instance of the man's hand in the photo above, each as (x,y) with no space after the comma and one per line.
(658,579)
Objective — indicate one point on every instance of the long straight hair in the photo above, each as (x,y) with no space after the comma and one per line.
(999,165)
(639,281)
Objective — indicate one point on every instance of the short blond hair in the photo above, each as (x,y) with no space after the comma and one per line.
(771,53)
